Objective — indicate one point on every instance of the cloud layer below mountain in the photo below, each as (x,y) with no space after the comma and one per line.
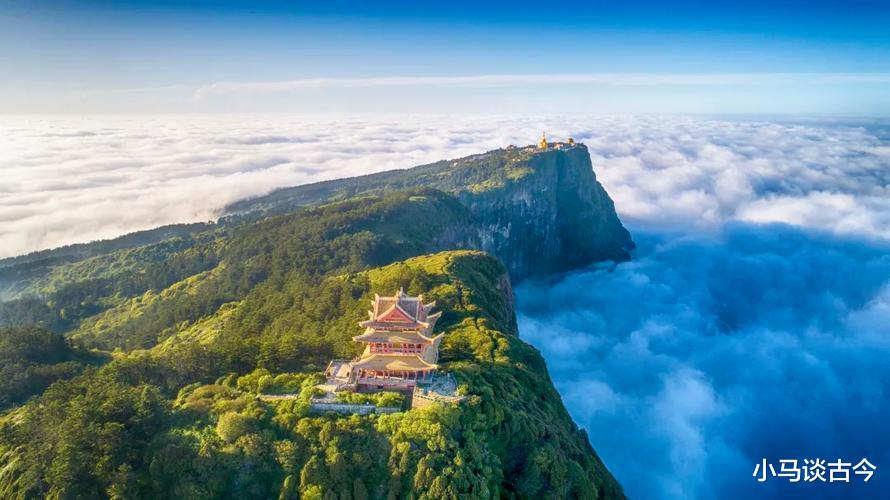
(706,354)
(68,180)
(752,323)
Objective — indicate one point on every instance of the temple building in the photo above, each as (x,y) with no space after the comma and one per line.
(542,144)
(400,347)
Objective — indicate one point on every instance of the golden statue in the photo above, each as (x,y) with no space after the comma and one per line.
(543,143)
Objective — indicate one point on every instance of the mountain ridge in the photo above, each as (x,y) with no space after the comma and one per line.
(549,199)
(573,234)
(197,327)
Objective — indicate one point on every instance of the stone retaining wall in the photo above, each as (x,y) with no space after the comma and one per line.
(349,408)
(422,398)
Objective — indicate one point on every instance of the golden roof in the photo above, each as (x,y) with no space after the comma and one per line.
(401,311)
(394,363)
(404,337)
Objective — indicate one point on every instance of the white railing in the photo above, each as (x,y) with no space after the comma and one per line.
(361,409)
(385,381)
(435,396)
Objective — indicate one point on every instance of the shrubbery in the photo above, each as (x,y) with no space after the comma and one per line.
(33,358)
(184,420)
(386,398)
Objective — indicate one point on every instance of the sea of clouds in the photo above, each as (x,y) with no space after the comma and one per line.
(753,321)
(707,354)
(73,179)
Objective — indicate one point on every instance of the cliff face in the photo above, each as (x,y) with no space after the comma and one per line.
(282,296)
(555,217)
(185,417)
(540,211)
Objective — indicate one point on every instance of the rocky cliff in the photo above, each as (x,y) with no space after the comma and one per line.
(204,323)
(539,211)
(176,412)
(551,215)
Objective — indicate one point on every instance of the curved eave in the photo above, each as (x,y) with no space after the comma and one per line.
(385,359)
(384,337)
(437,340)
(383,324)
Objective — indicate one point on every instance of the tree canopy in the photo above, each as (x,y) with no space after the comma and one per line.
(173,412)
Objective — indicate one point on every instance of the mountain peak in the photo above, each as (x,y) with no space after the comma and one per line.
(538,207)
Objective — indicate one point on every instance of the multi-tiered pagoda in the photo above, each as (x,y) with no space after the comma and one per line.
(400,347)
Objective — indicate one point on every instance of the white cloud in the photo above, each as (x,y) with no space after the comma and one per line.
(519,80)
(704,355)
(687,172)
(842,212)
(68,180)
(699,355)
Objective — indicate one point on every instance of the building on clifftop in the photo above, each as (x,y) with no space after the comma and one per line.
(544,144)
(400,348)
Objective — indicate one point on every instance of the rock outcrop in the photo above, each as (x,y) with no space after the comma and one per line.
(538,210)
(555,217)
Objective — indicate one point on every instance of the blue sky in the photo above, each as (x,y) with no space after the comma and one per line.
(720,208)
(808,58)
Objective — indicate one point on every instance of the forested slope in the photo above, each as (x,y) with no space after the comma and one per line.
(538,210)
(142,364)
(173,422)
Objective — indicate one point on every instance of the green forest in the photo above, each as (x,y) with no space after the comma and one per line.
(135,373)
